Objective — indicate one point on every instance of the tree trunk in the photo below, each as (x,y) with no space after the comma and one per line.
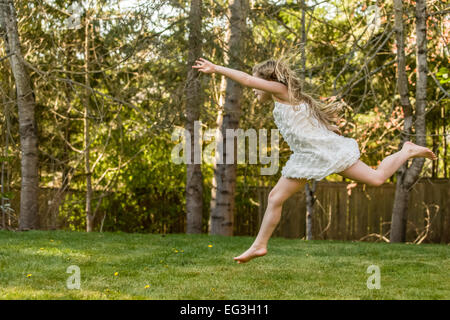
(303,42)
(219,122)
(407,176)
(194,178)
(309,190)
(87,154)
(222,216)
(28,218)
(310,200)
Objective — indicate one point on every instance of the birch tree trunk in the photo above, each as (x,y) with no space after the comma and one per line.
(219,120)
(222,215)
(87,142)
(310,200)
(309,190)
(26,104)
(194,178)
(407,176)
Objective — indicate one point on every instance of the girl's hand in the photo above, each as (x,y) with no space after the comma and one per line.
(204,65)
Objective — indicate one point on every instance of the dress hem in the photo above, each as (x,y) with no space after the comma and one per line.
(321,177)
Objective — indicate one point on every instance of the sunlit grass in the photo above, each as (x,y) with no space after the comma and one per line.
(33,265)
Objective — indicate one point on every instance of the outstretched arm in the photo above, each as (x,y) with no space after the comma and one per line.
(243,78)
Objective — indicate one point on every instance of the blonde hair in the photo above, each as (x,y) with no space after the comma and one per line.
(278,70)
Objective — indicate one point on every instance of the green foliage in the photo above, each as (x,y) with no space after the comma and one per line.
(135,98)
(443,75)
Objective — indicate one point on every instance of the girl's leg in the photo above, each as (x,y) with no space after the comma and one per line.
(282,191)
(376,177)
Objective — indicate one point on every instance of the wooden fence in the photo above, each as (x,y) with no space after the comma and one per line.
(364,212)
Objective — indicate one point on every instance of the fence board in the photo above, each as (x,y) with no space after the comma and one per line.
(367,210)
(352,217)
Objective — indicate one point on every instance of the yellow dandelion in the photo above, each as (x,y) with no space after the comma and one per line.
(176,251)
(147,286)
(116,274)
(29,275)
(210,246)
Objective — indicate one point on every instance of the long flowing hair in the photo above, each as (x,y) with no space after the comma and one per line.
(326,112)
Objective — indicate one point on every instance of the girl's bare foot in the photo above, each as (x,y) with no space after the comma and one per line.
(250,254)
(417,151)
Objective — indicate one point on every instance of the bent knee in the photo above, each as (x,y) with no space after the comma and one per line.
(275,198)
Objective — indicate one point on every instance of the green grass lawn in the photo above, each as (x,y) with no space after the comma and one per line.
(33,265)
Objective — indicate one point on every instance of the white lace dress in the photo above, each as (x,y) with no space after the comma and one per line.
(317,151)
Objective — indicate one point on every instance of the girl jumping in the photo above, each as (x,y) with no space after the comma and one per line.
(318,147)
